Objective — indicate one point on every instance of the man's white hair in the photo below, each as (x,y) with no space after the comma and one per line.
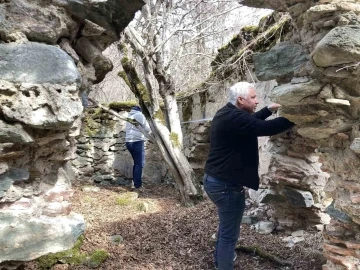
(240,89)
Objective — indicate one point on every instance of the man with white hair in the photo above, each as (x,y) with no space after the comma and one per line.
(233,162)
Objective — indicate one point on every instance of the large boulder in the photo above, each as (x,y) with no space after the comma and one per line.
(23,238)
(44,106)
(113,15)
(48,94)
(293,93)
(281,61)
(37,63)
(36,20)
(340,46)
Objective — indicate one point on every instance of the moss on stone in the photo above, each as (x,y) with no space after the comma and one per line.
(72,256)
(91,127)
(118,240)
(174,138)
(97,112)
(226,51)
(97,121)
(263,19)
(251,28)
(97,257)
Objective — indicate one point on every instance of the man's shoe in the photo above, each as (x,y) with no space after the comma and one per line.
(215,266)
(132,187)
(140,189)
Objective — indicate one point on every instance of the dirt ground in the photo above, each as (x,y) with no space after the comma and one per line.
(155,232)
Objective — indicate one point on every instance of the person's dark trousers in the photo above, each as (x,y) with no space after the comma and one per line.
(137,152)
(230,202)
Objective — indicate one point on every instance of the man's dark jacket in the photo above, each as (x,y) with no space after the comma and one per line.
(234,152)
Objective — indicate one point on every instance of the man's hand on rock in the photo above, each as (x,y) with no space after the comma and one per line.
(273,107)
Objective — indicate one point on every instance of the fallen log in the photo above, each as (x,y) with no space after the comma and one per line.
(263,254)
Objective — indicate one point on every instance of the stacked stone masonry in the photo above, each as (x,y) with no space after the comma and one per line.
(311,174)
(50,52)
(101,154)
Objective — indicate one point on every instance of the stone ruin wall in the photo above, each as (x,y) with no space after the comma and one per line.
(307,168)
(101,154)
(310,175)
(50,52)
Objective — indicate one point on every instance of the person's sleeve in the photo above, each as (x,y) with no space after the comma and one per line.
(249,125)
(262,114)
(146,126)
(140,118)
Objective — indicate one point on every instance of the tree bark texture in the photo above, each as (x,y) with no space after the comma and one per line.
(166,138)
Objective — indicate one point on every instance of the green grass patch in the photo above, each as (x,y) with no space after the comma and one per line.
(126,199)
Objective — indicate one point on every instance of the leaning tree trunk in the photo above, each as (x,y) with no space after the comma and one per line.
(169,140)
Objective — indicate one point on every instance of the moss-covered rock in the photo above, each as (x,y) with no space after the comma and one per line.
(97,122)
(227,51)
(72,256)
(96,258)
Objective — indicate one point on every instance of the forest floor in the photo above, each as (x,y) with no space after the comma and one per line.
(155,233)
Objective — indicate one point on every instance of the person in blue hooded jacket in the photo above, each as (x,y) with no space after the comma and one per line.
(233,162)
(135,144)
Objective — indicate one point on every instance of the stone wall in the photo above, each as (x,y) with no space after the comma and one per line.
(102,156)
(50,52)
(312,171)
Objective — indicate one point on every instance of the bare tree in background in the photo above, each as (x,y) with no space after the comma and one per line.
(112,88)
(192,32)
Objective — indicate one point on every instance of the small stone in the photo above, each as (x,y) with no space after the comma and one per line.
(338,101)
(292,240)
(143,207)
(330,23)
(116,239)
(323,113)
(90,189)
(249,220)
(355,145)
(319,227)
(264,227)
(326,92)
(299,197)
(342,136)
(298,233)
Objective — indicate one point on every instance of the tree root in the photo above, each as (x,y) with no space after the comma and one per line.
(256,250)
